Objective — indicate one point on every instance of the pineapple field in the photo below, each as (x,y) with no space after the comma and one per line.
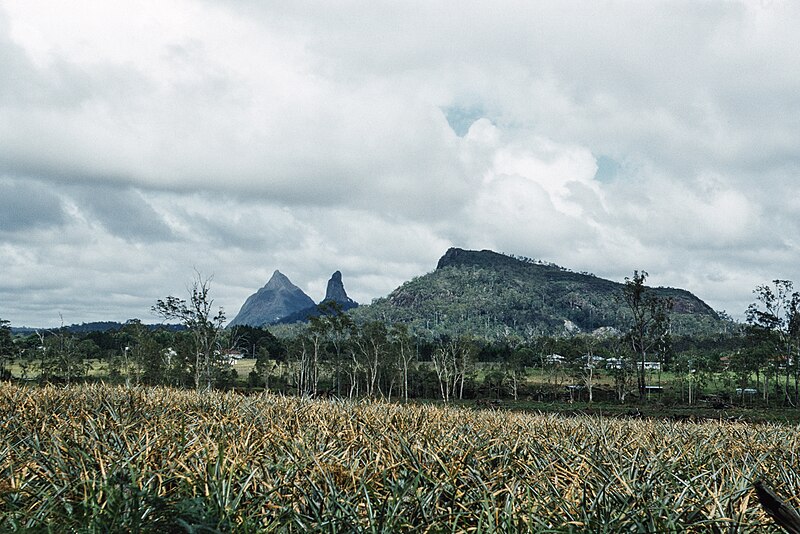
(97,458)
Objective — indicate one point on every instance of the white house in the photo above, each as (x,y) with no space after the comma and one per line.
(554,359)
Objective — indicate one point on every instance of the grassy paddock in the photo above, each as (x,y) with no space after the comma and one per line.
(243,367)
(102,458)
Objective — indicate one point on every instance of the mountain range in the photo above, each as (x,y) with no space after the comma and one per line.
(483,293)
(487,294)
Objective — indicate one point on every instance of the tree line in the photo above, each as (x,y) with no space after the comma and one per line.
(333,355)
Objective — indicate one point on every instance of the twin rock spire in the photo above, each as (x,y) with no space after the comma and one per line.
(281,301)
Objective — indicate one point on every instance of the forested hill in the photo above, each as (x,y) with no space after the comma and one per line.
(489,294)
(97,326)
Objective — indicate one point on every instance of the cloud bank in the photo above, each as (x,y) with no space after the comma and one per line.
(138,143)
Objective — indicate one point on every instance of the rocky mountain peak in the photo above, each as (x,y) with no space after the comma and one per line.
(276,300)
(336,292)
(278,281)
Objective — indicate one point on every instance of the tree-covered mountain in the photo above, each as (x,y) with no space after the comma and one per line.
(492,295)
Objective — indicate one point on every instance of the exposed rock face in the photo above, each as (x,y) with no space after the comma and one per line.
(276,300)
(336,292)
(457,257)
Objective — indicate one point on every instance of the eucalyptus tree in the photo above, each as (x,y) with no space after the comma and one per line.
(6,348)
(587,365)
(371,346)
(517,356)
(61,359)
(337,330)
(621,366)
(404,352)
(445,358)
(205,326)
(303,353)
(649,331)
(453,360)
(516,365)
(140,356)
(775,317)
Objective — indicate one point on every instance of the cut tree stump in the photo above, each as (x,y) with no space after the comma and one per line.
(783,514)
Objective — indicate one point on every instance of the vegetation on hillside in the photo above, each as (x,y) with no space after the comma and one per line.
(487,294)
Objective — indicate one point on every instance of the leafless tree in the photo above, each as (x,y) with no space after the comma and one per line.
(205,328)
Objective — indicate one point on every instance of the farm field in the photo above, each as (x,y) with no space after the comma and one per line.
(109,458)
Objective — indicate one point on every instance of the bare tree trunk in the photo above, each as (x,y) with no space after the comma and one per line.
(197,361)
(315,366)
(463,373)
(405,379)
(353,374)
(590,382)
(441,365)
(514,387)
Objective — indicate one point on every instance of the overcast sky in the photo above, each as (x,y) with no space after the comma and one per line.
(142,140)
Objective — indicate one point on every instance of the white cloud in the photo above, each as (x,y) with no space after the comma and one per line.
(241,137)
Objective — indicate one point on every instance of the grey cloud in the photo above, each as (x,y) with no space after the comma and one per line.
(28,205)
(123,212)
(369,137)
(15,83)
